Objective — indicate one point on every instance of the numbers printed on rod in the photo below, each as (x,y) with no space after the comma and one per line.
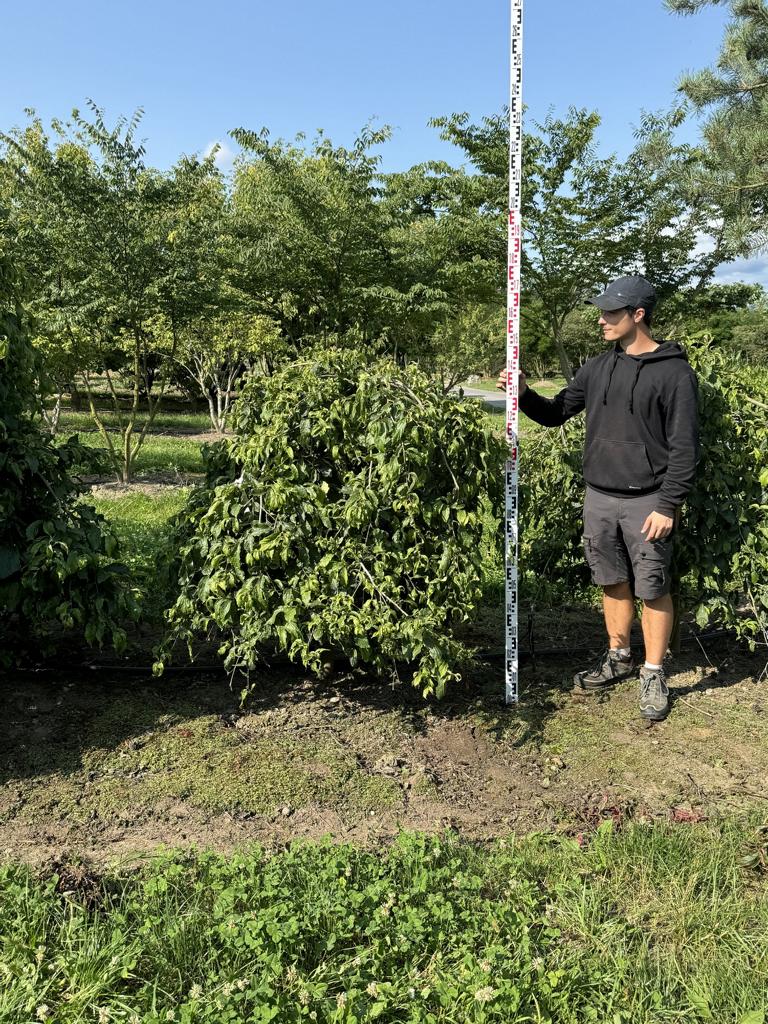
(513,346)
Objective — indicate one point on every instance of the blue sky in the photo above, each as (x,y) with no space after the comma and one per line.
(201,69)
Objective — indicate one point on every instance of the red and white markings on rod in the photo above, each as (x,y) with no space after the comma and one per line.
(513,350)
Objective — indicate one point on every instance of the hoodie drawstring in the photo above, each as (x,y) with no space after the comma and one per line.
(610,375)
(639,363)
(638,368)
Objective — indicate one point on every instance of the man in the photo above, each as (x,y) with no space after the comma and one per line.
(640,455)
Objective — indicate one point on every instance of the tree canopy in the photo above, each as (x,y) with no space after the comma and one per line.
(734,95)
(586,218)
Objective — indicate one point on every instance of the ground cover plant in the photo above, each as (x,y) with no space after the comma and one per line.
(343,519)
(638,927)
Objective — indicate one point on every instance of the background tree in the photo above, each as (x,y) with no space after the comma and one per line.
(310,234)
(217,350)
(57,567)
(119,260)
(587,219)
(734,316)
(735,135)
(328,246)
(670,219)
(465,344)
(61,359)
(444,275)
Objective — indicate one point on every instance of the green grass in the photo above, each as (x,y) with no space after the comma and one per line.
(190,421)
(159,454)
(545,387)
(141,522)
(497,417)
(483,384)
(548,388)
(650,925)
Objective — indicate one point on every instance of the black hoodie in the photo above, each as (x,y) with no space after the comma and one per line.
(642,429)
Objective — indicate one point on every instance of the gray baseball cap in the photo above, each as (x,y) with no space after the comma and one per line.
(626,291)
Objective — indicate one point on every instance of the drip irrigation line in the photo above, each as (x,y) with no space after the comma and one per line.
(213,669)
(544,652)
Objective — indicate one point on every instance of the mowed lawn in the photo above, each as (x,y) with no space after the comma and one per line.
(496,415)
(548,386)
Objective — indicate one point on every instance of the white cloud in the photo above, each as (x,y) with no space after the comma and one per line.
(752,271)
(224,154)
(704,243)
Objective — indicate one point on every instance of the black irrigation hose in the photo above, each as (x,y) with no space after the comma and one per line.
(214,669)
(545,652)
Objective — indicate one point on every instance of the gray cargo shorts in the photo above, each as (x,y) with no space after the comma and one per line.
(616,550)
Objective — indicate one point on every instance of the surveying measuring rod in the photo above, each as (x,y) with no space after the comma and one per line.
(512,663)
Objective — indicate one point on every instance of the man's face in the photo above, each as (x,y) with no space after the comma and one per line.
(617,324)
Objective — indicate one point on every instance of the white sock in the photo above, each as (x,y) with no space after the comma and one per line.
(653,668)
(621,652)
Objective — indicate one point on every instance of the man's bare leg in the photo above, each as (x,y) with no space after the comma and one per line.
(619,612)
(658,619)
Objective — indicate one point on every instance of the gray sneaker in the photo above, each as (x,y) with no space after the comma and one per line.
(654,694)
(608,670)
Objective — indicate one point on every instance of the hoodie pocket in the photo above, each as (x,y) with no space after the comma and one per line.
(621,466)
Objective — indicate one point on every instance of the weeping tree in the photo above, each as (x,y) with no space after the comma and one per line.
(344,519)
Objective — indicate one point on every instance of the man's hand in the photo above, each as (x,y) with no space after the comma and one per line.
(657,526)
(522,383)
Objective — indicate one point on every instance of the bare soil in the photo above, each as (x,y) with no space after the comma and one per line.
(156,484)
(107,764)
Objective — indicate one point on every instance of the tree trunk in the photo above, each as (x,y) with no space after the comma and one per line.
(212,410)
(51,416)
(75,397)
(562,355)
(128,453)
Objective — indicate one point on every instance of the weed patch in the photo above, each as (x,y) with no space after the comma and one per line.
(647,925)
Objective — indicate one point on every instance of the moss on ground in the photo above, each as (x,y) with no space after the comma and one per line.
(207,763)
(91,759)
